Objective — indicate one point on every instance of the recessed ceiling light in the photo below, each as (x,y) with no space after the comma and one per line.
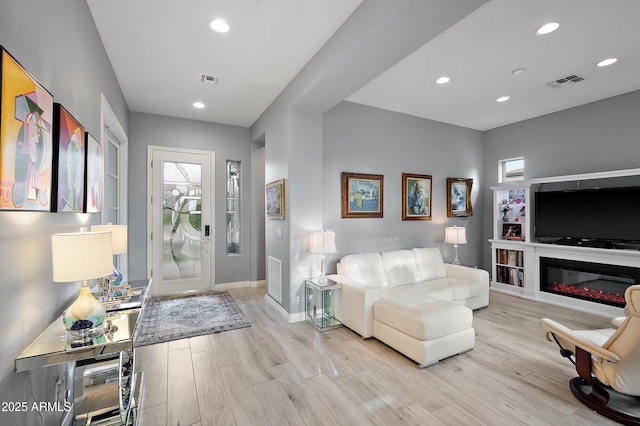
(443,80)
(198,105)
(606,62)
(519,71)
(547,28)
(219,25)
(502,99)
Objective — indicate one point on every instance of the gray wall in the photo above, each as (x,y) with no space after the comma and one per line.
(362,139)
(59,44)
(596,137)
(375,37)
(229,143)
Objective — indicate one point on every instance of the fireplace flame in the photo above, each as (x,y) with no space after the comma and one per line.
(588,293)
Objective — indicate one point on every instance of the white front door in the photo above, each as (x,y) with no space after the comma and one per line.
(181,220)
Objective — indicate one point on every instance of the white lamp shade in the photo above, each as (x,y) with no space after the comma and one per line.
(455,235)
(118,234)
(81,256)
(323,242)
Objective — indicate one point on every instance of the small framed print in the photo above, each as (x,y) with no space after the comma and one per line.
(459,197)
(362,195)
(512,231)
(274,193)
(416,197)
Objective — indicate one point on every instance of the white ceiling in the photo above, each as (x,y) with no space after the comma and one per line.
(158,50)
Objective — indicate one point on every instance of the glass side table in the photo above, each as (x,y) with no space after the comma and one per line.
(319,303)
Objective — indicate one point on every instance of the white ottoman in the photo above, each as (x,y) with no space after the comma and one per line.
(426,331)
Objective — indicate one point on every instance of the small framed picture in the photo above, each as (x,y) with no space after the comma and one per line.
(459,197)
(416,197)
(511,231)
(274,193)
(362,195)
(95,160)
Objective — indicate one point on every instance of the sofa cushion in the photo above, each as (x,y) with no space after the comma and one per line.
(429,263)
(425,319)
(461,289)
(411,292)
(400,268)
(364,268)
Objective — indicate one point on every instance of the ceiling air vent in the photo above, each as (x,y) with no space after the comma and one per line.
(209,79)
(562,82)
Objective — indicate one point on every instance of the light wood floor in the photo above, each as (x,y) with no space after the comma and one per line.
(274,373)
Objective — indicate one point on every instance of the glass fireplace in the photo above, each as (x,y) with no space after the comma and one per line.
(595,282)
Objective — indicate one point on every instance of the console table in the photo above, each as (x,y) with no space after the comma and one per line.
(116,345)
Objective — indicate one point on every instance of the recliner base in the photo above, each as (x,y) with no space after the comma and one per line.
(624,409)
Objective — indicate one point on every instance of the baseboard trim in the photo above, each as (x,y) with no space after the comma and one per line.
(240,284)
(290,318)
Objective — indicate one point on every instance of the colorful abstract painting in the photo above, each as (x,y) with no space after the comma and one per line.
(95,160)
(26,144)
(69,160)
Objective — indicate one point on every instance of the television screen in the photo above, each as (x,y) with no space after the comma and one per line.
(609,214)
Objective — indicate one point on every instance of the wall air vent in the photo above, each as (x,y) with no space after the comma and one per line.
(209,79)
(562,82)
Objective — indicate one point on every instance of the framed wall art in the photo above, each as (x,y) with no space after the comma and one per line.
(69,162)
(95,176)
(459,197)
(362,195)
(274,193)
(416,197)
(26,139)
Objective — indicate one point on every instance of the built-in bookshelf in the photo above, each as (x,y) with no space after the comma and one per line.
(509,267)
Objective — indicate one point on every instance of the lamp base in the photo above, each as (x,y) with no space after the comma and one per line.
(84,319)
(456,261)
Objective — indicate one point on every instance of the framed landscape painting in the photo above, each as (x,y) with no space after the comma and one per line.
(95,167)
(274,193)
(459,197)
(26,139)
(416,197)
(69,162)
(362,195)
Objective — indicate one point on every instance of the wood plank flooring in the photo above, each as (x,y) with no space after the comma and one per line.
(275,373)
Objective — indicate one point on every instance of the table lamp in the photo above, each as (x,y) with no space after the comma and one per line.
(455,235)
(119,239)
(80,257)
(323,242)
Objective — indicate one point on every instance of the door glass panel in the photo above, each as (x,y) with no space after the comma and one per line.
(112,159)
(233,207)
(182,189)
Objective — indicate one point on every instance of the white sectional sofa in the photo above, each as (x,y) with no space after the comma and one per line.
(412,301)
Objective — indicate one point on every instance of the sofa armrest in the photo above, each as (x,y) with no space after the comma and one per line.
(354,304)
(472,274)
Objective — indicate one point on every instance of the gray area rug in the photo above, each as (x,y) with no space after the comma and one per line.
(173,318)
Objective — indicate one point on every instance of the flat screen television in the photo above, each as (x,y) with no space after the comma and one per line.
(607,214)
